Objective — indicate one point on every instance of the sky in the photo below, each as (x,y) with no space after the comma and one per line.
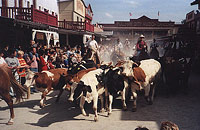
(108,11)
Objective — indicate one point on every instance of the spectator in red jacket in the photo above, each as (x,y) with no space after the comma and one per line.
(42,63)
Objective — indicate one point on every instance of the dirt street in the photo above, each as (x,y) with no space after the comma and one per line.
(180,109)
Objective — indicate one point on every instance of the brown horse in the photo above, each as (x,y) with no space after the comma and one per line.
(6,81)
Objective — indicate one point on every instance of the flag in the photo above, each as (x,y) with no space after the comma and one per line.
(130,14)
(158,13)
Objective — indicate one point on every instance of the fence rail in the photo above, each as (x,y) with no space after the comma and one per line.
(76,26)
(29,14)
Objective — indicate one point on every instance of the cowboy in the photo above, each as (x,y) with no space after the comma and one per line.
(141,45)
(94,47)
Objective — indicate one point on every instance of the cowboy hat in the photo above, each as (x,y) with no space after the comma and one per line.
(142,36)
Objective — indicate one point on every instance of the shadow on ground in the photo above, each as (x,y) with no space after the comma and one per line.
(181,109)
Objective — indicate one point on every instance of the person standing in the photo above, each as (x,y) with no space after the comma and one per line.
(13,64)
(23,66)
(33,44)
(5,51)
(12,61)
(33,60)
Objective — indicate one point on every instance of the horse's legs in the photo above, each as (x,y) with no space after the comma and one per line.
(7,98)
(43,97)
(60,93)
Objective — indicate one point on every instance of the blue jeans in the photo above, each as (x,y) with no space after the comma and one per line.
(138,53)
(34,69)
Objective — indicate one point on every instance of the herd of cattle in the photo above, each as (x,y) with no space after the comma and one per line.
(88,82)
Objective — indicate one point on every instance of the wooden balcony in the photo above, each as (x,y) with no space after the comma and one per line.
(29,14)
(76,26)
(89,27)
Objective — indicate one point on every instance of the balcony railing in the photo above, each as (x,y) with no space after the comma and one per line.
(76,26)
(89,27)
(29,14)
(72,25)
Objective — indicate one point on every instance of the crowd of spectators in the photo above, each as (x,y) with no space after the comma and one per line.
(39,58)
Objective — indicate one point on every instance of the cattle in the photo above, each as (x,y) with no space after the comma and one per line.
(114,84)
(142,77)
(86,64)
(89,89)
(75,80)
(46,81)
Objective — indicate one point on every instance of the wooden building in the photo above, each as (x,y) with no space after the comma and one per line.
(75,21)
(150,28)
(25,20)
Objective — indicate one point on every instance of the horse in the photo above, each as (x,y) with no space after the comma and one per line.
(154,54)
(6,81)
(91,55)
(142,56)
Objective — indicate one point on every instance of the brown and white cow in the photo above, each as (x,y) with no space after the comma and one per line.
(75,80)
(88,89)
(142,77)
(46,81)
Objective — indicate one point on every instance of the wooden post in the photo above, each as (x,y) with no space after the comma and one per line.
(28,92)
(32,13)
(56,20)
(4,8)
(34,3)
(64,23)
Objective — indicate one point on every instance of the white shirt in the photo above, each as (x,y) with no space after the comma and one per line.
(2,61)
(93,45)
(120,45)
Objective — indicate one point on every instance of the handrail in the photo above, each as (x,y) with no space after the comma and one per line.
(76,25)
(29,14)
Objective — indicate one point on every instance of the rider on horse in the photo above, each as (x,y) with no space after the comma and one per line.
(94,48)
(141,45)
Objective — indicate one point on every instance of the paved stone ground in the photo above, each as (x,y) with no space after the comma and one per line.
(184,110)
